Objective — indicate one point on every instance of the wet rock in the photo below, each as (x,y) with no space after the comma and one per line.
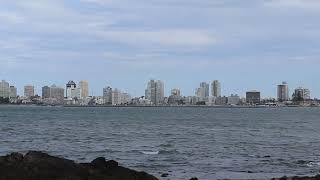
(164,175)
(37,165)
(112,164)
(14,157)
(99,162)
(317,177)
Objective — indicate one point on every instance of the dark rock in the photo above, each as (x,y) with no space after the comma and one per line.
(164,175)
(41,166)
(194,178)
(112,164)
(99,162)
(14,157)
(317,177)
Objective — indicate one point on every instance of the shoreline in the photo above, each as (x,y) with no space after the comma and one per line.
(160,106)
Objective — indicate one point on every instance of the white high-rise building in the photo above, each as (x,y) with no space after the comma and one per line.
(116,97)
(84,89)
(72,91)
(28,91)
(283,92)
(13,92)
(4,89)
(205,86)
(201,93)
(216,88)
(155,91)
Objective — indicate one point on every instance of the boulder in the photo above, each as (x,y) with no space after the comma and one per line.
(38,166)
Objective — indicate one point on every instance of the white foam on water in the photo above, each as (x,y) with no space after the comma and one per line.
(311,164)
(150,152)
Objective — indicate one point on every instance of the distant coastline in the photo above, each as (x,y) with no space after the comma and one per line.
(163,106)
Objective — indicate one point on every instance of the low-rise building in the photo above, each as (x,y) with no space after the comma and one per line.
(253,97)
(234,99)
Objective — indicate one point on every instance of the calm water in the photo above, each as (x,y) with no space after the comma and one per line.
(204,142)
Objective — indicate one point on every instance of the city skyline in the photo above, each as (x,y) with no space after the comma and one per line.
(245,44)
(74,89)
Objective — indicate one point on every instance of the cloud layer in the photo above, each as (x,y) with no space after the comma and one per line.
(118,42)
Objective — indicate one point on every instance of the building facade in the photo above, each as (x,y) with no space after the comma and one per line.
(155,92)
(4,89)
(201,93)
(107,95)
(234,99)
(13,92)
(283,92)
(253,97)
(72,91)
(216,88)
(301,94)
(84,89)
(116,97)
(221,100)
(45,92)
(28,91)
(205,86)
(57,93)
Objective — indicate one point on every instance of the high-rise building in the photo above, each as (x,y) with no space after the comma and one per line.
(28,91)
(107,95)
(45,92)
(13,92)
(201,93)
(301,94)
(4,89)
(155,91)
(253,97)
(116,97)
(72,91)
(84,89)
(56,92)
(176,92)
(205,86)
(283,92)
(216,88)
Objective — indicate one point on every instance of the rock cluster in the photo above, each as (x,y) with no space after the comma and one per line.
(317,177)
(41,166)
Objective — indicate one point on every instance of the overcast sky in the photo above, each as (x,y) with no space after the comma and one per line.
(246,44)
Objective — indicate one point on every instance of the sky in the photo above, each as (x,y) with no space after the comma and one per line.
(246,45)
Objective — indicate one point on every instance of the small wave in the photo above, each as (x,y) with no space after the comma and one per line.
(312,164)
(174,151)
(167,145)
(150,152)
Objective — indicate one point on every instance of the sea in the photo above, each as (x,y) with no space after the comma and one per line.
(185,142)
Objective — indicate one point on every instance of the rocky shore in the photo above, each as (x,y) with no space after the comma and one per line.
(41,166)
(36,165)
(317,177)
